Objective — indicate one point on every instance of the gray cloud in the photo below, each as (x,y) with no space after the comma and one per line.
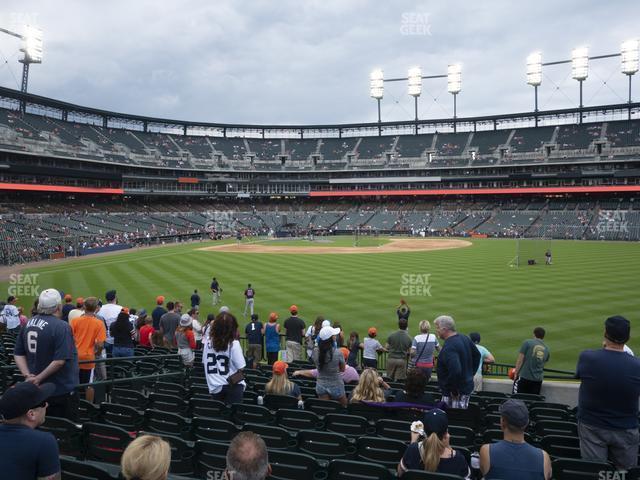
(308,62)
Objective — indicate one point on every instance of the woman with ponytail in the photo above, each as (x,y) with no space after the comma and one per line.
(429,449)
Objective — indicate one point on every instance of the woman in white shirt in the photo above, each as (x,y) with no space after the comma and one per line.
(423,347)
(197,328)
(223,360)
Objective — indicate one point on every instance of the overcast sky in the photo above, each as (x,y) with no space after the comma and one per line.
(291,62)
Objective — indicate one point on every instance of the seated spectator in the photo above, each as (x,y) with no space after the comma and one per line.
(27,453)
(247,458)
(414,387)
(430,450)
(280,384)
(513,457)
(146,458)
(370,349)
(369,388)
(350,374)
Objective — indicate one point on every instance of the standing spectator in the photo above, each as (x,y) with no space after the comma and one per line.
(529,370)
(353,346)
(215,291)
(457,363)
(89,334)
(146,458)
(67,307)
(311,335)
(340,336)
(78,311)
(123,333)
(45,351)
(253,332)
(195,299)
(223,360)
(349,376)
(24,319)
(280,384)
(399,346)
(10,315)
(414,389)
(485,359)
(109,312)
(211,317)
(271,333)
(403,311)
(185,340)
(294,326)
(158,312)
(371,347)
(430,448)
(608,399)
(422,349)
(247,458)
(168,324)
(27,453)
(513,457)
(329,362)
(249,297)
(146,331)
(197,327)
(369,388)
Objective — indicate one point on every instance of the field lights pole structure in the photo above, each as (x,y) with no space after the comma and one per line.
(376,90)
(630,52)
(580,69)
(534,78)
(454,86)
(415,89)
(32,49)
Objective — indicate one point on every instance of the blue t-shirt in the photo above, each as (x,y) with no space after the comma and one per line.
(272,337)
(46,338)
(609,390)
(484,353)
(253,331)
(26,453)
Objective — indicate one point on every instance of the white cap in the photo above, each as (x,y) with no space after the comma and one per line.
(326,323)
(224,309)
(49,298)
(328,332)
(185,320)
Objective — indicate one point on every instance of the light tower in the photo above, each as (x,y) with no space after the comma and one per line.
(630,52)
(454,86)
(376,90)
(580,68)
(415,89)
(534,77)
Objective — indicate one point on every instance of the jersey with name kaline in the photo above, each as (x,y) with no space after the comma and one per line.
(220,365)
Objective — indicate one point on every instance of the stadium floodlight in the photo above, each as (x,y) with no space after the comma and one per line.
(376,84)
(415,81)
(630,52)
(32,44)
(534,69)
(580,63)
(454,78)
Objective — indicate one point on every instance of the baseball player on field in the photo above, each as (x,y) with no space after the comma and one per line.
(249,294)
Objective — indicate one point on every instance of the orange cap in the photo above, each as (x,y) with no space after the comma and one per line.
(293,309)
(345,353)
(373,331)
(273,316)
(159,299)
(280,367)
(80,300)
(68,298)
(125,310)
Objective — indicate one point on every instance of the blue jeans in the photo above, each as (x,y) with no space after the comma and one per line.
(122,351)
(334,392)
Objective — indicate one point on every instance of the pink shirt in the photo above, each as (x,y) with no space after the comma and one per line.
(349,375)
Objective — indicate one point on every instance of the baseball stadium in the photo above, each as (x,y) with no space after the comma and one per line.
(504,222)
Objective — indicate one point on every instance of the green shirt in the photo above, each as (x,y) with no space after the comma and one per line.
(399,344)
(536,354)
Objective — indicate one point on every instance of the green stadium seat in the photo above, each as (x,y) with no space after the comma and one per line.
(576,469)
(383,451)
(72,469)
(349,470)
(462,436)
(104,443)
(561,446)
(394,429)
(130,398)
(168,403)
(244,413)
(322,407)
(422,475)
(324,445)
(67,433)
(349,425)
(287,465)
(275,437)
(207,407)
(121,416)
(210,456)
(274,402)
(167,423)
(213,429)
(556,427)
(297,419)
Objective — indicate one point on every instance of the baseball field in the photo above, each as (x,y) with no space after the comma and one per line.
(360,286)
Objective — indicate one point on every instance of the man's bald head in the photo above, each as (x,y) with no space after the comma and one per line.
(247,457)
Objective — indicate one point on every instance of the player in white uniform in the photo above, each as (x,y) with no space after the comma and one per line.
(222,358)
(249,294)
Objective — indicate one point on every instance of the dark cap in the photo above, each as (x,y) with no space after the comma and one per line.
(110,295)
(435,421)
(515,413)
(617,329)
(21,398)
(11,298)
(475,337)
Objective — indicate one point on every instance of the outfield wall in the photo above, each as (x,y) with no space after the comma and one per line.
(554,391)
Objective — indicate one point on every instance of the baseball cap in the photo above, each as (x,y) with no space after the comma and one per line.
(11,298)
(185,320)
(159,299)
(617,329)
(49,298)
(125,310)
(224,309)
(326,323)
(515,413)
(373,331)
(80,301)
(280,367)
(142,312)
(110,295)
(293,309)
(328,332)
(345,353)
(21,398)
(475,337)
(435,421)
(273,316)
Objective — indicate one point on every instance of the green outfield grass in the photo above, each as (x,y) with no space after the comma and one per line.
(588,282)
(339,241)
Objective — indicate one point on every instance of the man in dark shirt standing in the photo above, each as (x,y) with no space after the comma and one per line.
(158,312)
(27,453)
(608,399)
(215,290)
(253,331)
(295,332)
(399,346)
(168,324)
(67,307)
(195,299)
(529,371)
(458,362)
(45,351)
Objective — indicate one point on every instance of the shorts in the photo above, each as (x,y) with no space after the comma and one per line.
(370,362)
(254,350)
(334,392)
(187,356)
(84,376)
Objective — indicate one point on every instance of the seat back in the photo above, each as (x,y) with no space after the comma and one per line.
(67,433)
(287,465)
(210,457)
(104,443)
(383,451)
(561,446)
(576,469)
(206,407)
(350,469)
(324,445)
(394,429)
(350,425)
(166,423)
(121,416)
(246,413)
(77,470)
(297,419)
(274,402)
(275,437)
(213,429)
(322,407)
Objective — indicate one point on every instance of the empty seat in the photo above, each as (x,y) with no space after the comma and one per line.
(210,457)
(561,446)
(121,416)
(67,433)
(213,429)
(395,429)
(383,451)
(461,436)
(538,414)
(129,398)
(168,403)
(244,413)
(73,469)
(575,469)
(349,469)
(275,437)
(555,427)
(167,423)
(274,402)
(350,425)
(287,465)
(297,420)
(324,445)
(207,407)
(423,475)
(104,443)
(322,407)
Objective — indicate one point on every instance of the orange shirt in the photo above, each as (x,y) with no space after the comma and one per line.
(87,331)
